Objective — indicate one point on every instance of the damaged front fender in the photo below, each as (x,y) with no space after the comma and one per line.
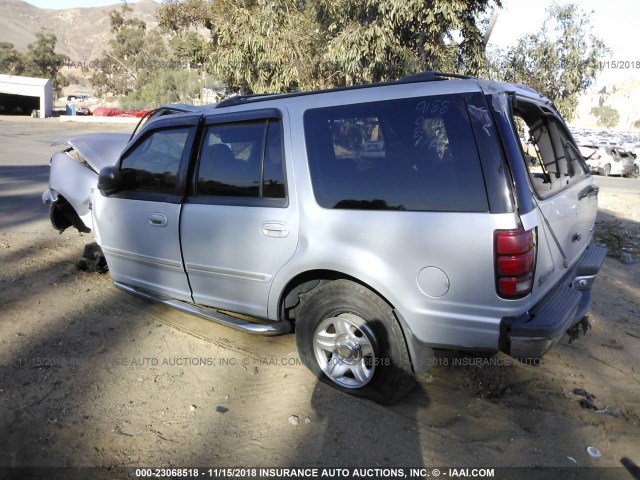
(74,173)
(70,184)
(62,213)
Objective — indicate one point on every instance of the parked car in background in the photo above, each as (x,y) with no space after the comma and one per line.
(606,160)
(83,110)
(77,97)
(380,222)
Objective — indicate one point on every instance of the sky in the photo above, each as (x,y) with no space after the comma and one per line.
(57,4)
(617,22)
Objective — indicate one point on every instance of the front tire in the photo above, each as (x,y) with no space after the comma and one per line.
(350,339)
(606,170)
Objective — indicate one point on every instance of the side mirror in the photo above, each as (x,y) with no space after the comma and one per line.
(109,180)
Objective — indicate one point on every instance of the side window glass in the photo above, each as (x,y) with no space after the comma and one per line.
(242,159)
(153,165)
(230,160)
(415,154)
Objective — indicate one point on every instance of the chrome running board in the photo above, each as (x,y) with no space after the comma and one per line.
(267,328)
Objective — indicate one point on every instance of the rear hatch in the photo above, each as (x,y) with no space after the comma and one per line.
(564,193)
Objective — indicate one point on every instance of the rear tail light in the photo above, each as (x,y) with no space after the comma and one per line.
(515,256)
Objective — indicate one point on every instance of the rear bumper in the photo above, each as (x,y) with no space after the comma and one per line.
(532,334)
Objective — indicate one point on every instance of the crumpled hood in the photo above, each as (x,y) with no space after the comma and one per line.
(98,149)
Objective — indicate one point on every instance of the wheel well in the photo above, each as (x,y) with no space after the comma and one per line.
(302,284)
(64,216)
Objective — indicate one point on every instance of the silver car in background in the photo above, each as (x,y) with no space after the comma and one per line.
(607,160)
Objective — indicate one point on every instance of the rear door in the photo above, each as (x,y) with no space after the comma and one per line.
(138,227)
(562,187)
(239,225)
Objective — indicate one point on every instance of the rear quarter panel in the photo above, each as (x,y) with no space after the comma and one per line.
(387,250)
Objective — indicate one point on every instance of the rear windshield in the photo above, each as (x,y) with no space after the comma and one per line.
(406,154)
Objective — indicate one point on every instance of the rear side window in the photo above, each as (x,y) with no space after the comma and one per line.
(242,159)
(406,154)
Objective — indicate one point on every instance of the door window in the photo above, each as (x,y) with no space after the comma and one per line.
(242,160)
(153,165)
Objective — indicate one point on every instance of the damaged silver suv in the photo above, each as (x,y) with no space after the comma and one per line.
(380,222)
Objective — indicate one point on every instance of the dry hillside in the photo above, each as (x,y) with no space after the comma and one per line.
(83,33)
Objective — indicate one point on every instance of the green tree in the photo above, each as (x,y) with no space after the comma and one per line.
(117,73)
(277,46)
(168,86)
(41,60)
(255,46)
(147,67)
(180,15)
(11,62)
(561,61)
(381,40)
(607,116)
(190,48)
(134,57)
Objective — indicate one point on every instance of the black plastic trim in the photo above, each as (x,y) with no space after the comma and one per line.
(559,309)
(591,260)
(244,116)
(552,316)
(148,196)
(494,167)
(264,202)
(514,159)
(186,119)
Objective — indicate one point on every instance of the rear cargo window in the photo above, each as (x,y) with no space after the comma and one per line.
(405,154)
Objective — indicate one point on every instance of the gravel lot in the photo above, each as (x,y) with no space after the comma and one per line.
(90,376)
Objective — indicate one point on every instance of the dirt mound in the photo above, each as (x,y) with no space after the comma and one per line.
(619,236)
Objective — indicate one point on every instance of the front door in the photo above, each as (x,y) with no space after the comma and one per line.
(138,227)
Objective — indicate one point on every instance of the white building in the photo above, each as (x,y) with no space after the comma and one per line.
(25,94)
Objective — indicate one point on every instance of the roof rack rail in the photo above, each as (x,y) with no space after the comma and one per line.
(238,99)
(427,76)
(430,76)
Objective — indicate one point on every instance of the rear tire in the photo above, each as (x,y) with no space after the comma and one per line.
(350,339)
(635,172)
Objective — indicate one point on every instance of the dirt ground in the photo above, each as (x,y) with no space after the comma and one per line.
(90,376)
